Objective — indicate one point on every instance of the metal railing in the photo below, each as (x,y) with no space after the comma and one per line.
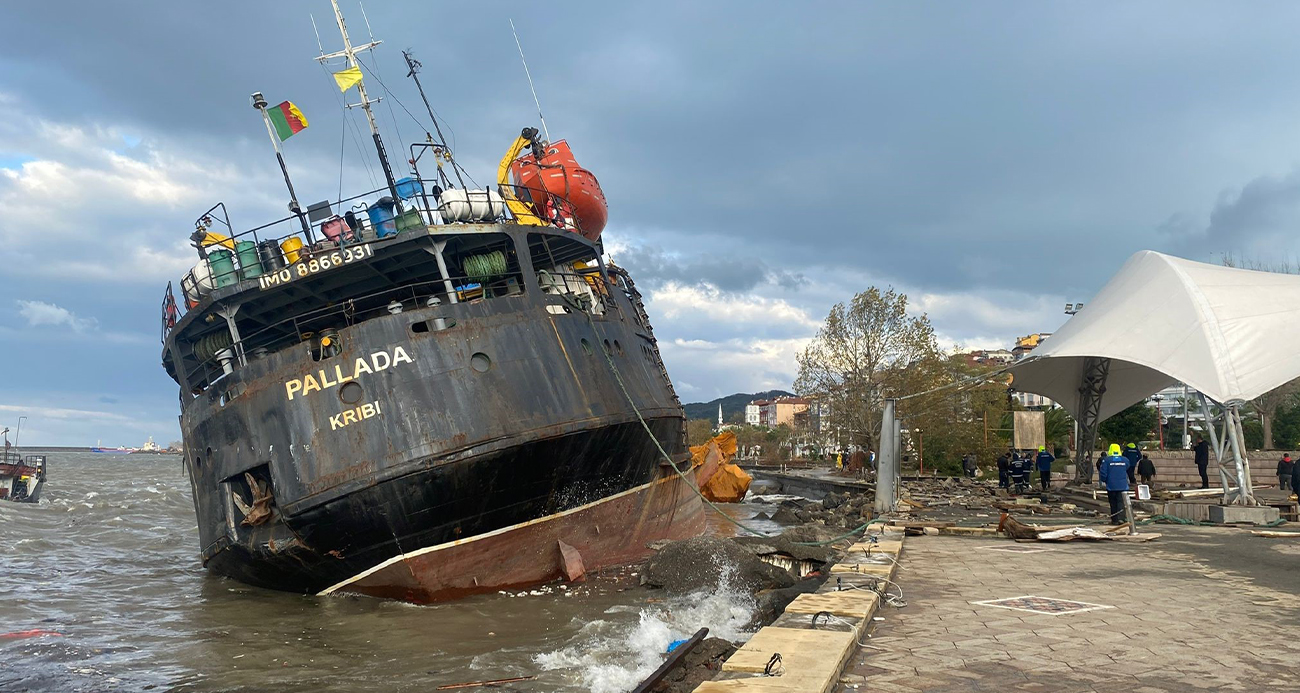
(227,257)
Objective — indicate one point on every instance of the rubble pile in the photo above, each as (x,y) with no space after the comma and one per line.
(954,498)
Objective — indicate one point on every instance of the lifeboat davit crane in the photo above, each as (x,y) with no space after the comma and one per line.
(549,187)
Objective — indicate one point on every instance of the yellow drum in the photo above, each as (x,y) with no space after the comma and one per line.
(292,248)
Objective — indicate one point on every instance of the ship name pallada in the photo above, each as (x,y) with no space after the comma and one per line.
(321,380)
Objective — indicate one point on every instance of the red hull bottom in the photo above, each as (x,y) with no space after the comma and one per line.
(609,532)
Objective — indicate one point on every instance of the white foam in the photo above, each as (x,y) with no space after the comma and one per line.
(614,656)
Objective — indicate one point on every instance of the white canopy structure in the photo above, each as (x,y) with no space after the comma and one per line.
(1232,334)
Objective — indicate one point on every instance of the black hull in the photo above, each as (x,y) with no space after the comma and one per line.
(443,503)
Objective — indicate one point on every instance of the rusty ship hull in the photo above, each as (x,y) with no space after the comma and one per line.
(494,426)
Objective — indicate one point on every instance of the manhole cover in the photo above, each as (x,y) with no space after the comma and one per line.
(1017,548)
(1043,605)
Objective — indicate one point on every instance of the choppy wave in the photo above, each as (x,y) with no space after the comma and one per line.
(613,655)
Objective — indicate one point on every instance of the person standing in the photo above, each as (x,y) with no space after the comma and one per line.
(1019,468)
(968,465)
(1285,467)
(1146,470)
(1134,456)
(1295,477)
(1044,463)
(1004,468)
(1203,460)
(1115,470)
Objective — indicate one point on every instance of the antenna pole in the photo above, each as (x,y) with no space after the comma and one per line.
(351,54)
(530,80)
(414,66)
(259,102)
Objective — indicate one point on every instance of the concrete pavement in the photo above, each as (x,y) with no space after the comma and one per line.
(1186,612)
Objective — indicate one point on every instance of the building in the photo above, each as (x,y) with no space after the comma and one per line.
(1028,343)
(987,357)
(782,410)
(754,412)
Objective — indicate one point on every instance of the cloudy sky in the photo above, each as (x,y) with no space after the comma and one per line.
(762,160)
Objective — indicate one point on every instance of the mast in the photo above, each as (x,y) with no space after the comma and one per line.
(350,52)
(259,102)
(414,66)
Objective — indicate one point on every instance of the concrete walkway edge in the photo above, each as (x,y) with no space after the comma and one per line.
(813,648)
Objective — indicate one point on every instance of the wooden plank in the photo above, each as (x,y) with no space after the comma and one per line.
(669,664)
(1276,535)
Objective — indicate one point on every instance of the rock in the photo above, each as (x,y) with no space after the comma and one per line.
(700,563)
(770,604)
(763,488)
(761,516)
(809,534)
(786,516)
(834,500)
(787,546)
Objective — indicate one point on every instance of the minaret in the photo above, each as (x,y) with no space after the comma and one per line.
(719,416)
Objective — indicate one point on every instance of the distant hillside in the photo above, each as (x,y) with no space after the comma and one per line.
(733,406)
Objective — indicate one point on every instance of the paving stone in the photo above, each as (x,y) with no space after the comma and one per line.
(1171,628)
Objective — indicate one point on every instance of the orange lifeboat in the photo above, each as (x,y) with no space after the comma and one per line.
(558,181)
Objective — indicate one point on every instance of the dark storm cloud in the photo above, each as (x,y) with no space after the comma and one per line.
(989,154)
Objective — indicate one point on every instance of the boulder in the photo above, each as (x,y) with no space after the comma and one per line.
(702,562)
(770,604)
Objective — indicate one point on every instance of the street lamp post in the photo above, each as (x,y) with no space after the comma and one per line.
(1160,420)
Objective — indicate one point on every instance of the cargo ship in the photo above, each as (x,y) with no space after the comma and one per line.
(427,390)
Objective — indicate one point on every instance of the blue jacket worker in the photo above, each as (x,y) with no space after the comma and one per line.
(1019,468)
(1115,471)
(1134,456)
(1044,463)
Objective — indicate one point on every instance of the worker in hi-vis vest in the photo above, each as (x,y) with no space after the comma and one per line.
(1115,469)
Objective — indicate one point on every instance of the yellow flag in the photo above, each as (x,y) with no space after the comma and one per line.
(348,78)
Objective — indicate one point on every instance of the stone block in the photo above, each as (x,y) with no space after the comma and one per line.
(1260,514)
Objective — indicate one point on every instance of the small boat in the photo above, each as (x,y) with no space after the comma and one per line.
(21,478)
(119,450)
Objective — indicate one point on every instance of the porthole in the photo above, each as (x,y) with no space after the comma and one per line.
(586,346)
(351,392)
(480,362)
(618,348)
(608,349)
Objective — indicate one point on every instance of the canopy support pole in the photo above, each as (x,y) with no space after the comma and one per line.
(1245,492)
(1217,442)
(886,462)
(1095,371)
(1229,442)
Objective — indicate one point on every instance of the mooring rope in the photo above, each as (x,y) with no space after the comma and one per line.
(619,378)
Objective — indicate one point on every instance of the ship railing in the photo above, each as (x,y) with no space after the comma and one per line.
(308,329)
(227,257)
(569,291)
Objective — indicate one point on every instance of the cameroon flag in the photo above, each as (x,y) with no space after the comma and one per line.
(287,119)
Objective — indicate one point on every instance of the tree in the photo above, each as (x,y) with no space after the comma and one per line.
(865,351)
(699,431)
(1133,425)
(1267,405)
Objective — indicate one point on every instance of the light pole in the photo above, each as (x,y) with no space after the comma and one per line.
(1160,420)
(20,429)
(1187,440)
